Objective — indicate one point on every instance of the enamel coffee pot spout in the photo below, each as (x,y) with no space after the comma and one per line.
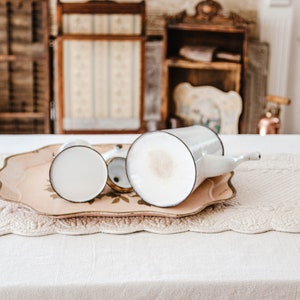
(215,165)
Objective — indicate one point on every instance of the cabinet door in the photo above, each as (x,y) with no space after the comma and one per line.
(24,67)
(100,51)
(102,84)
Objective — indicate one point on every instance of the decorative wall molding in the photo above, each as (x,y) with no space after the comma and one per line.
(276,28)
(280,2)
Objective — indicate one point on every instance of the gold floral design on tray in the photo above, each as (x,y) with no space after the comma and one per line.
(115,196)
(119,197)
(49,189)
(142,202)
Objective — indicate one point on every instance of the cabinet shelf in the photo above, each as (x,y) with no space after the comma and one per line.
(206,27)
(105,8)
(21,115)
(182,63)
(21,58)
(104,37)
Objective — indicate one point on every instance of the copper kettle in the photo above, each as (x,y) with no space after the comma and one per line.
(269,123)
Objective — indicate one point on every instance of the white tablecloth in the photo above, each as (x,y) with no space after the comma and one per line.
(143,265)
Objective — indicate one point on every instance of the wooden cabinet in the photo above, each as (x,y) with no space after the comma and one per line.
(208,48)
(24,66)
(100,70)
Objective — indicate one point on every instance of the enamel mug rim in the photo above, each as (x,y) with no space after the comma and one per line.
(102,178)
(111,182)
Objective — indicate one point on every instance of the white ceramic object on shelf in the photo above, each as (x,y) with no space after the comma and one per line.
(208,106)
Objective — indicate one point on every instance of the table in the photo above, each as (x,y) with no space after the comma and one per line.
(144,265)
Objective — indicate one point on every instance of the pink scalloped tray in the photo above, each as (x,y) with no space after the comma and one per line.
(24,179)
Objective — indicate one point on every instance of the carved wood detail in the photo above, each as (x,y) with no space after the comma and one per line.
(211,13)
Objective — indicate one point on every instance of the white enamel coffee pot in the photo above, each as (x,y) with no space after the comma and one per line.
(165,167)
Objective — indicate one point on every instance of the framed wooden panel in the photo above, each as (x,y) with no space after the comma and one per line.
(100,55)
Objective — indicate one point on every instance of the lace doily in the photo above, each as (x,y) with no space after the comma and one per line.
(268,198)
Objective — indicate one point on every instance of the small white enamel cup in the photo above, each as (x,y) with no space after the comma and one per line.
(117,176)
(78,173)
